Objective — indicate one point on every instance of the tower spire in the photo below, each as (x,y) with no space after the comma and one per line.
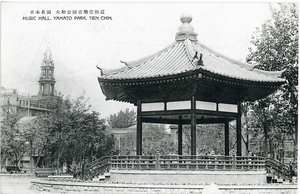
(47,80)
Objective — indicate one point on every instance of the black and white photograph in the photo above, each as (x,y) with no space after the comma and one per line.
(149,97)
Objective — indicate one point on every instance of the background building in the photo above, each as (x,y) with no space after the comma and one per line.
(31,105)
(124,139)
(28,107)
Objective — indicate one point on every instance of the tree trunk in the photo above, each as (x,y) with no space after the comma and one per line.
(16,160)
(270,148)
(266,141)
(58,165)
(296,140)
(38,159)
(283,138)
(58,155)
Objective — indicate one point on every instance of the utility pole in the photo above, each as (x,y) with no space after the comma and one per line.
(28,113)
(30,157)
(30,141)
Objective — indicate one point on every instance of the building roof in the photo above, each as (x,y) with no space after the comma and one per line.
(120,132)
(185,68)
(185,55)
(123,130)
(25,120)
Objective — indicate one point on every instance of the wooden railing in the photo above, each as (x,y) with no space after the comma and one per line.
(160,162)
(276,168)
(96,167)
(176,162)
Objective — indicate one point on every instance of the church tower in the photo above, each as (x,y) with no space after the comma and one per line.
(47,80)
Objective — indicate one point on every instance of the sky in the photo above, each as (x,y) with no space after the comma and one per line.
(131,31)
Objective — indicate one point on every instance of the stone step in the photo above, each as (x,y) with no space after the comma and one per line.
(101,177)
(104,177)
(107,176)
(95,180)
(279,180)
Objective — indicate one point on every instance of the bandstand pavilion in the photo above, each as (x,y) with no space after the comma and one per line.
(188,83)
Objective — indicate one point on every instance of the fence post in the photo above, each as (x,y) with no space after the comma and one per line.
(233,161)
(139,161)
(157,159)
(216,163)
(82,170)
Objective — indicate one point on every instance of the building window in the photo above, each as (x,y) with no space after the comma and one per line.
(51,88)
(44,73)
(50,73)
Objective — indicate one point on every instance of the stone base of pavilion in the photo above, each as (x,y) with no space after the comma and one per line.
(183,169)
(188,177)
(43,185)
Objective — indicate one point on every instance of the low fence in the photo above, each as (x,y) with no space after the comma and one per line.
(176,162)
(183,163)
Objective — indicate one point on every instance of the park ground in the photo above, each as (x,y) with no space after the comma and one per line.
(16,185)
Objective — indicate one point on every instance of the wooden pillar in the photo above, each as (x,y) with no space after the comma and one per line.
(193,126)
(180,136)
(226,138)
(139,135)
(239,131)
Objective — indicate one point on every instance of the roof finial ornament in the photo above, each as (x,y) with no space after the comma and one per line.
(101,71)
(186,30)
(195,56)
(126,64)
(186,19)
(200,61)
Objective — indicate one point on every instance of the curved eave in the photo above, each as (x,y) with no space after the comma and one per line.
(148,80)
(197,73)
(151,89)
(276,82)
(117,89)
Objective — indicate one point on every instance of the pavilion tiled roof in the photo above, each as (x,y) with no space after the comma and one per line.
(183,56)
